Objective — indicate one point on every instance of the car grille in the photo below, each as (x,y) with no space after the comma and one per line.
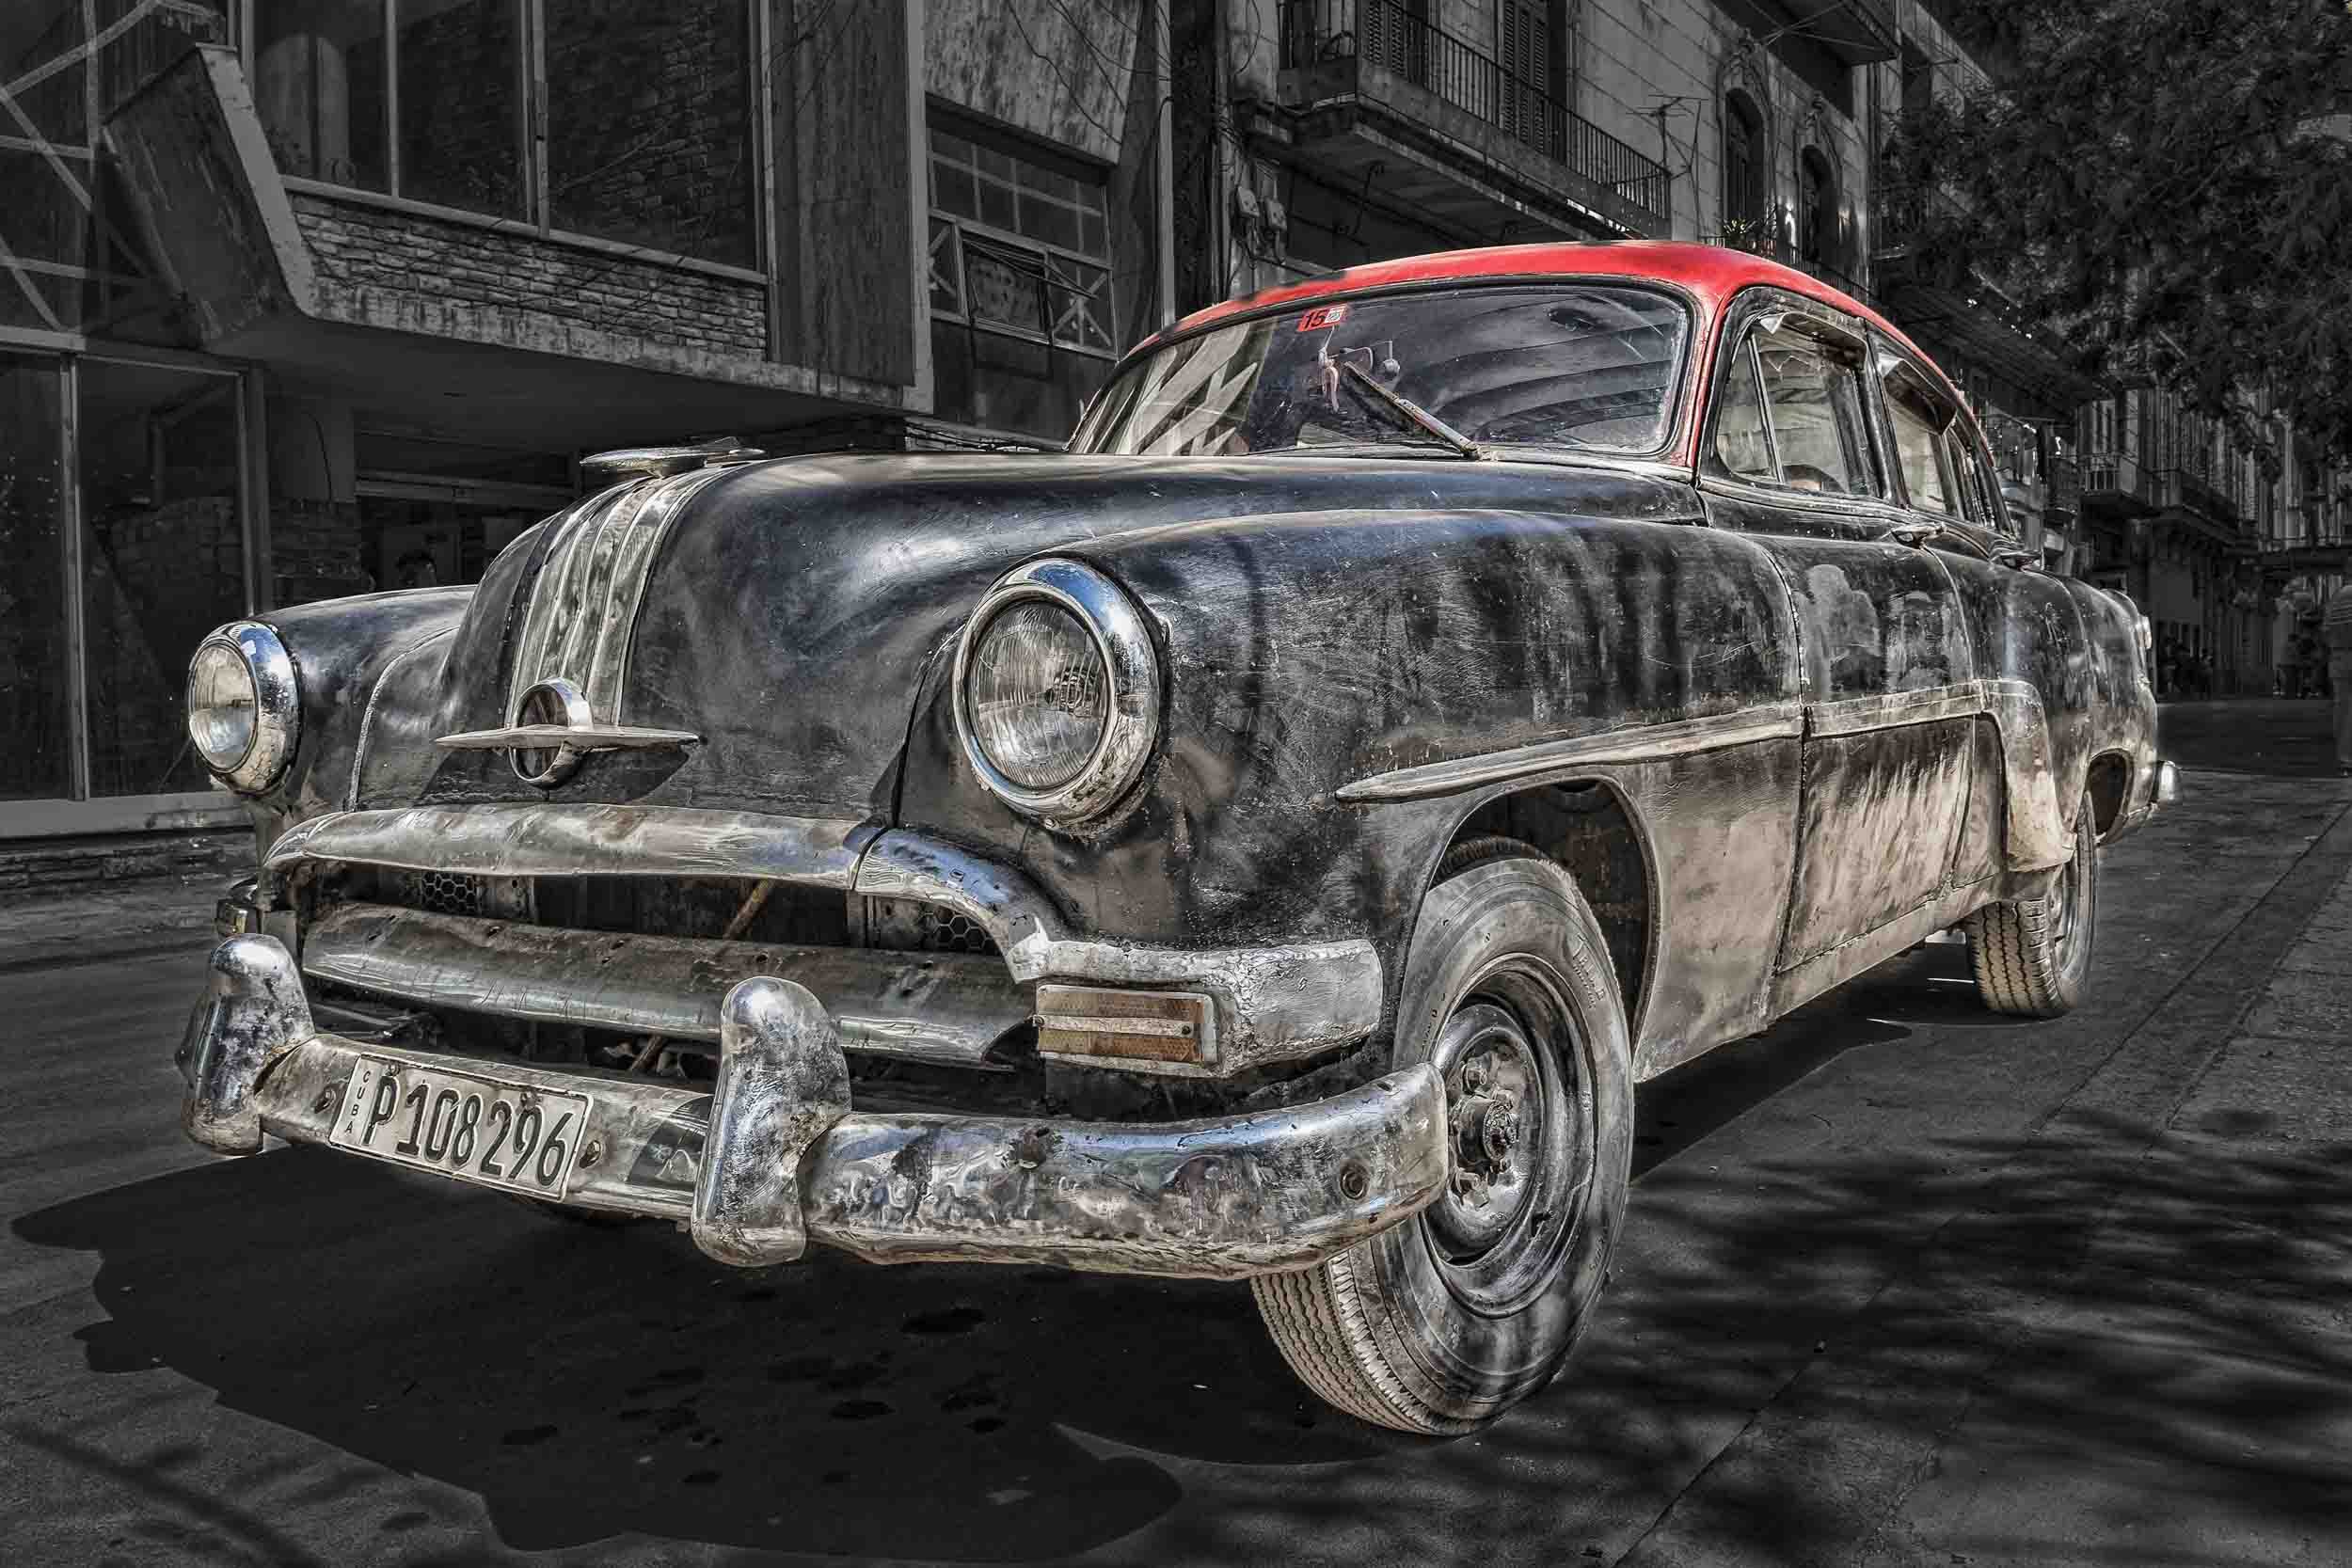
(683,907)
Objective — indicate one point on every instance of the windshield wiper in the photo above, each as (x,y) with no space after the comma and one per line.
(1462,444)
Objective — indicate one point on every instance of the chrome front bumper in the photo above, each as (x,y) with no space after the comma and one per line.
(774,1156)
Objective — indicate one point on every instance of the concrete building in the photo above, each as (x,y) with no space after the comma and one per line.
(306,297)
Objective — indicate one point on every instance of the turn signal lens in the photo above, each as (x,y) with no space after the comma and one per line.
(221,706)
(1037,698)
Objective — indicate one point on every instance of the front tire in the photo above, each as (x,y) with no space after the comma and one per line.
(1439,1324)
(2033,955)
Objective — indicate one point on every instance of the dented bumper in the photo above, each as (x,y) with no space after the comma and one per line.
(773,1155)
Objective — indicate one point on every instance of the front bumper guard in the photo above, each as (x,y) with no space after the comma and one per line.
(774,1156)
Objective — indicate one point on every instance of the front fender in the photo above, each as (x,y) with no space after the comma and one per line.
(1309,650)
(343,649)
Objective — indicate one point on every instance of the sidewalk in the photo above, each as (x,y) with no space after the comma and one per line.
(129,917)
(2132,1346)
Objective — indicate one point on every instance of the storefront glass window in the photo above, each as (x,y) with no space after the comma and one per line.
(318,81)
(649,124)
(163,561)
(67,64)
(460,103)
(34,714)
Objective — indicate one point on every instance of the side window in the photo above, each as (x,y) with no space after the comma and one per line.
(1815,395)
(1984,490)
(1743,447)
(1920,449)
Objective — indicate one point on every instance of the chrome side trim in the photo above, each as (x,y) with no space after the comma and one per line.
(1616,747)
(1859,715)
(585,738)
(946,1007)
(1273,1004)
(1224,1197)
(532,840)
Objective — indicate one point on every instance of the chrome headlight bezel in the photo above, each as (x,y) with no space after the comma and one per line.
(1131,671)
(277,706)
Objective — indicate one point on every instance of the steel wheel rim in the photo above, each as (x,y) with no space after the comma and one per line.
(1501,1243)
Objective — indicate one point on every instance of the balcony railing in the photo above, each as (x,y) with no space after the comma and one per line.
(1387,34)
(2192,492)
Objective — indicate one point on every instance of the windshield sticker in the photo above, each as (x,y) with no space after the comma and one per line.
(1320,317)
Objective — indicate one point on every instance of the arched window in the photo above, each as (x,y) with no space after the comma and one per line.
(1743,162)
(1817,209)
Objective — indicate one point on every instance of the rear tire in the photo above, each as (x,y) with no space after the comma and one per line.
(2033,955)
(1439,1324)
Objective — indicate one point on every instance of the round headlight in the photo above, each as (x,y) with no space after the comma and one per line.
(1038,693)
(1056,692)
(220,706)
(244,713)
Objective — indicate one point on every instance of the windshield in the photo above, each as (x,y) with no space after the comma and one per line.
(1566,365)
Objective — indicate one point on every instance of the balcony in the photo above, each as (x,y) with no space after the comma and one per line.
(2117,484)
(2187,497)
(1392,105)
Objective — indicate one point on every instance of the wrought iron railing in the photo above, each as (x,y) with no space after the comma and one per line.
(1401,39)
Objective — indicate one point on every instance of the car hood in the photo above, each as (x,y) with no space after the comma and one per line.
(785,611)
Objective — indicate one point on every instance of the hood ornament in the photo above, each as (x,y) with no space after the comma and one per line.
(623,463)
(553,732)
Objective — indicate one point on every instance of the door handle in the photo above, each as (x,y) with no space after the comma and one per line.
(2022,559)
(1914,533)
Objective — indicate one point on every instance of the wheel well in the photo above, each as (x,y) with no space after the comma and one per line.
(1587,828)
(2108,781)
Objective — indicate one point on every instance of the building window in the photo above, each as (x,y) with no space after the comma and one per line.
(649,124)
(645,111)
(34,649)
(1021,328)
(122,541)
(70,260)
(1743,165)
(1817,211)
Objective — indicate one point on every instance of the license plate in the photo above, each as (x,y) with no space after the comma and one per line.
(457,1124)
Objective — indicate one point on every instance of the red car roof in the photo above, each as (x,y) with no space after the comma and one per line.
(1712,273)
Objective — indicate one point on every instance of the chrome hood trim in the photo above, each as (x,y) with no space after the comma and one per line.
(582,615)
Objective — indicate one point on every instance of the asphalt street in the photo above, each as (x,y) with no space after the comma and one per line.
(1903,1283)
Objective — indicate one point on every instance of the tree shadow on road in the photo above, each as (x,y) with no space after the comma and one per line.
(2077,1303)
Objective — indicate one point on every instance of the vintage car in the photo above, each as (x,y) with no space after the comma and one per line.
(1269,841)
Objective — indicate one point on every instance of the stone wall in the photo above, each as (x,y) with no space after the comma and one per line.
(48,867)
(540,281)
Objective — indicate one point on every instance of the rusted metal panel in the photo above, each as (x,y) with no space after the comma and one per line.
(1087,1022)
(930,1007)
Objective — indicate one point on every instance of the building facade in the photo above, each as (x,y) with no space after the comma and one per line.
(309,297)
